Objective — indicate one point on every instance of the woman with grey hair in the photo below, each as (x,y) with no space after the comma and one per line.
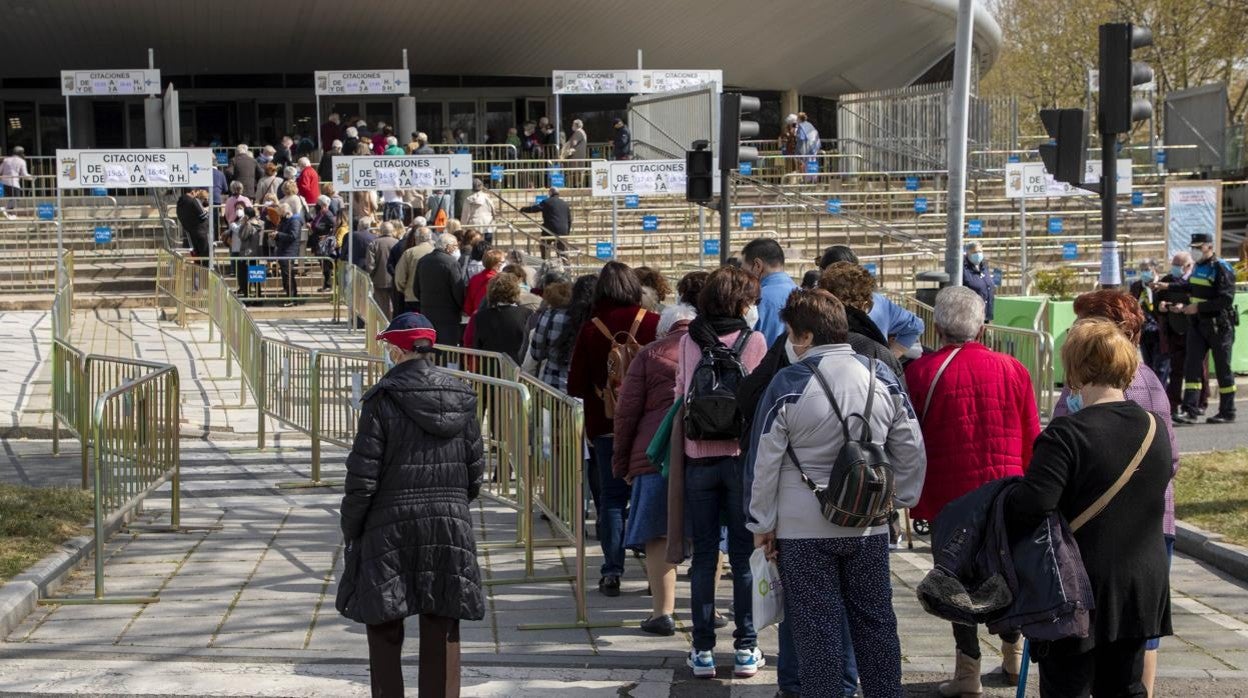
(979,419)
(978,277)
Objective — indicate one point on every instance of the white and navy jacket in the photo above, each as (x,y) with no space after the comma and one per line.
(795,412)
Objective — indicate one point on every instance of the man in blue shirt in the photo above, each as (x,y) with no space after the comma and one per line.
(764,258)
(902,327)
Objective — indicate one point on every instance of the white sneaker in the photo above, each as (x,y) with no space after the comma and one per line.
(9,216)
(702,663)
(748,662)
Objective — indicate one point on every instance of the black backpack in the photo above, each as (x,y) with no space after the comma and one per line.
(711,412)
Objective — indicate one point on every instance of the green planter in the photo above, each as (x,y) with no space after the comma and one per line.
(1021,311)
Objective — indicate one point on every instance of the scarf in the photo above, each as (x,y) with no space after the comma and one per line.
(706,331)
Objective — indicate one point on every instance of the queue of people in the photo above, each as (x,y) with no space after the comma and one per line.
(711,434)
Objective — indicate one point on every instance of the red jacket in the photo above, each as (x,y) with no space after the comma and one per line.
(587,373)
(475,293)
(309,185)
(980,426)
(646,395)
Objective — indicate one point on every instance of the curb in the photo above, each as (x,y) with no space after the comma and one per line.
(1208,547)
(20,595)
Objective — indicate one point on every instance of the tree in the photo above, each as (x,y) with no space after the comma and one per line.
(1049,45)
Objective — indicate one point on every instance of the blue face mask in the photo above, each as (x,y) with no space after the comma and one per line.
(976,257)
(1074,402)
(1176,271)
(1146,276)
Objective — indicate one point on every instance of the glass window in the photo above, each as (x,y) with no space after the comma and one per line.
(53,131)
(110,124)
(499,116)
(186,128)
(463,118)
(535,108)
(136,124)
(19,126)
(271,122)
(303,120)
(429,120)
(379,111)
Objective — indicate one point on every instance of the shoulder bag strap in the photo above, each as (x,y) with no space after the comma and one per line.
(931,389)
(827,390)
(603,328)
(1103,501)
(739,345)
(641,315)
(866,410)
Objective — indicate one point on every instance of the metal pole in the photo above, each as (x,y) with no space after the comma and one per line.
(558,123)
(701,236)
(212,244)
(1022,243)
(615,225)
(958,127)
(1110,277)
(69,126)
(725,204)
(60,239)
(350,290)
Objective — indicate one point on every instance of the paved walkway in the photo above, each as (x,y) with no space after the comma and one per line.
(247,608)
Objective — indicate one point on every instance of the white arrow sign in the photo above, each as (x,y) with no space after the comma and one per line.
(361,82)
(372,172)
(1030,180)
(89,83)
(126,169)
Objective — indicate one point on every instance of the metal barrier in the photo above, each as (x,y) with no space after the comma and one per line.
(261,277)
(127,415)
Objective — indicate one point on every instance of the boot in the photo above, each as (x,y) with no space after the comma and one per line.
(1012,660)
(965,679)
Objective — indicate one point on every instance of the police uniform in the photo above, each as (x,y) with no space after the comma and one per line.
(1212,289)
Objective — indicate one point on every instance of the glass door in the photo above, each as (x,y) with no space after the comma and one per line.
(429,120)
(499,117)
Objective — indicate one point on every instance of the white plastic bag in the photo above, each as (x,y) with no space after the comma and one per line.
(768,592)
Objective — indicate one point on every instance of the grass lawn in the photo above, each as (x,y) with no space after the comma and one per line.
(1211,491)
(34,520)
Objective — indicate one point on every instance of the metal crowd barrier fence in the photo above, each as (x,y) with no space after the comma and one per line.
(262,278)
(127,415)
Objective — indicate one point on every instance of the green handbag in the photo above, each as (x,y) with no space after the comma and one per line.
(660,446)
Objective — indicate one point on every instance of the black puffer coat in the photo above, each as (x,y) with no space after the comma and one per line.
(415,465)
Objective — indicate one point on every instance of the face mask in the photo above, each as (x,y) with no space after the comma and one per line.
(1176,271)
(1206,255)
(751,315)
(790,351)
(456,254)
(1146,276)
(1074,402)
(976,257)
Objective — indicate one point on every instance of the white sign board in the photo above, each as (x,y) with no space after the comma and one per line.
(124,169)
(1193,207)
(372,172)
(96,83)
(601,82)
(640,178)
(362,82)
(1030,180)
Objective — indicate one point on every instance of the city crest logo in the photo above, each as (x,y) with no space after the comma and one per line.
(69,168)
(343,173)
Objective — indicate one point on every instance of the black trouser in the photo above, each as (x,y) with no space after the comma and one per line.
(966,639)
(289,283)
(439,657)
(327,274)
(1109,671)
(1177,346)
(240,274)
(552,242)
(1214,334)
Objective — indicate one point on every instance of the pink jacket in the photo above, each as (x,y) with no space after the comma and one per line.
(646,396)
(751,355)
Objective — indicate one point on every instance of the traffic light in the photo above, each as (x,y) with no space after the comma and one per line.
(699,173)
(1065,157)
(1119,74)
(733,128)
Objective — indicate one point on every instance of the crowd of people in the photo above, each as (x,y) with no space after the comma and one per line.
(718,415)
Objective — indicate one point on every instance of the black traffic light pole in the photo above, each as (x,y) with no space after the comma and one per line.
(725,211)
(1109,207)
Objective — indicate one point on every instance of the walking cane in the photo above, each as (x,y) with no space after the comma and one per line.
(1022,673)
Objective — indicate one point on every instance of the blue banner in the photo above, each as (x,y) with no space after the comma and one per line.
(99,191)
(812,166)
(746,168)
(603,250)
(1070,251)
(1055,225)
(747,219)
(632,201)
(539,199)
(975,228)
(1161,157)
(649,222)
(871,268)
(996,276)
(556,177)
(1012,158)
(920,204)
(834,206)
(496,173)
(103,234)
(257,273)
(222,159)
(912,183)
(46,211)
(710,247)
(1137,198)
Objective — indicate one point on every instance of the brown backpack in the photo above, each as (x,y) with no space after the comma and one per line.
(624,348)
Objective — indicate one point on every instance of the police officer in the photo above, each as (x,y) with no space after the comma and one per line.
(1212,289)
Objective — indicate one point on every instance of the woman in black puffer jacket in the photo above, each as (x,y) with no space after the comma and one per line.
(414,467)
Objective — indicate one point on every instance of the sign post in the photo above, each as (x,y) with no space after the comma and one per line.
(358,82)
(188,168)
(638,81)
(105,83)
